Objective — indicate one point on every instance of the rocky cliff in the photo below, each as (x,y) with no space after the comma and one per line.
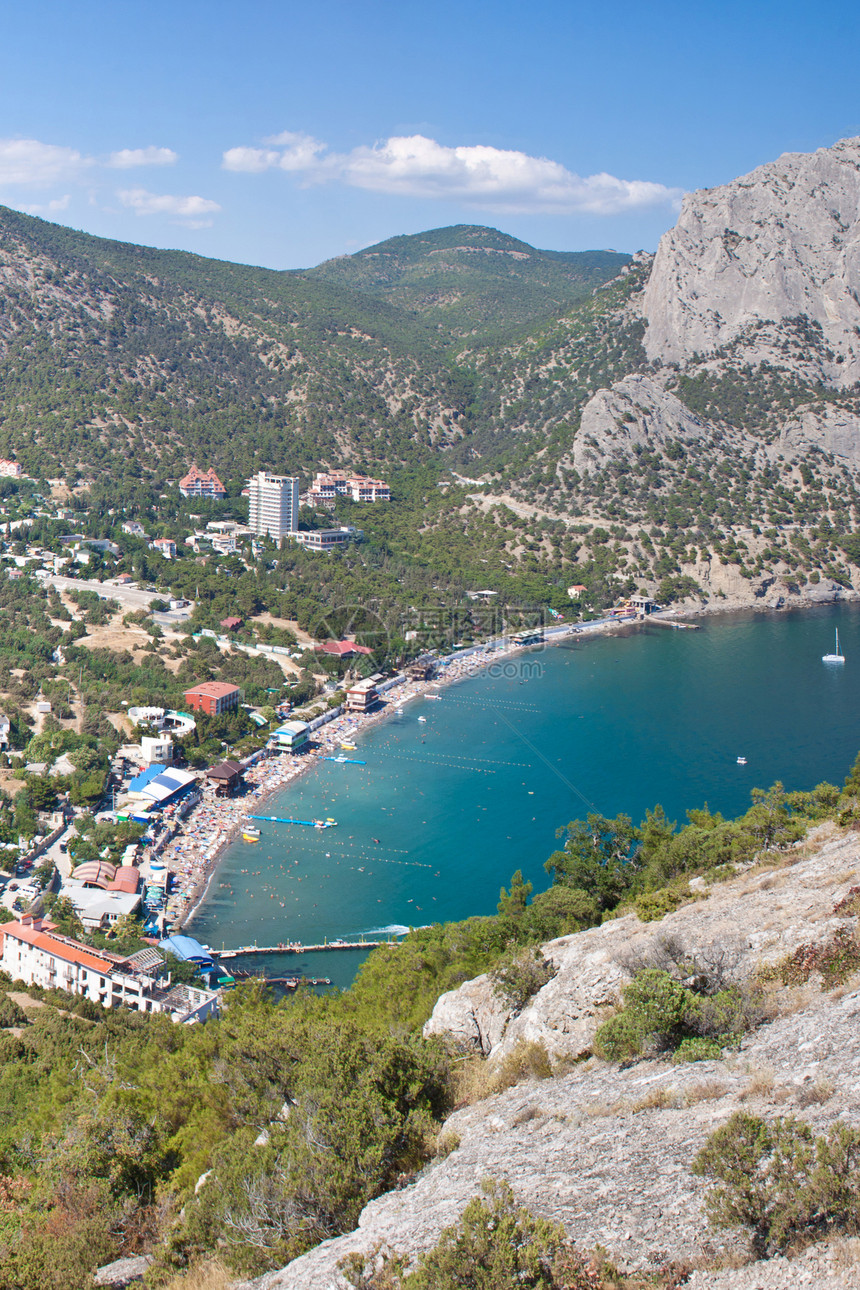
(607,1150)
(779,244)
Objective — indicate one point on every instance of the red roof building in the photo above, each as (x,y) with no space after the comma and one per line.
(198,483)
(230,624)
(213,697)
(343,649)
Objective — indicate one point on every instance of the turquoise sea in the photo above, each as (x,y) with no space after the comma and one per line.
(446,809)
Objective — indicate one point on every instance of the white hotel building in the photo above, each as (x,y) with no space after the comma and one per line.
(35,953)
(273,505)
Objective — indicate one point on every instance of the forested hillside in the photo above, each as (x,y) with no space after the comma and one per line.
(535,435)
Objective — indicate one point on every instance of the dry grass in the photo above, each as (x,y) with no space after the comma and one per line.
(656,1099)
(761,1084)
(706,1090)
(475,1079)
(211,1275)
(816,1094)
(845,1253)
(445,1143)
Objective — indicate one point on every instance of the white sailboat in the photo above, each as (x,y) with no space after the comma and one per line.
(836,657)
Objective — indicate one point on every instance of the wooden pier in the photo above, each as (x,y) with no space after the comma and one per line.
(294,947)
(668,622)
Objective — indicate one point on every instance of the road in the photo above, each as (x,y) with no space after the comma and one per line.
(128,597)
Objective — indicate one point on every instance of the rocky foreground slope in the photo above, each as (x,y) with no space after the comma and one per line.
(607,1150)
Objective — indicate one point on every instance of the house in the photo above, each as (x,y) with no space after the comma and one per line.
(343,649)
(213,697)
(134,529)
(292,736)
(226,777)
(5,727)
(198,483)
(166,546)
(9,469)
(577,590)
(362,696)
(34,952)
(231,624)
(124,580)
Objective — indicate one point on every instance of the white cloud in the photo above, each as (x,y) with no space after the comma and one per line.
(493,178)
(127,158)
(29,162)
(49,208)
(190,210)
(286,151)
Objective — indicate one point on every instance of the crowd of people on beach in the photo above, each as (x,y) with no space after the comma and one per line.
(193,853)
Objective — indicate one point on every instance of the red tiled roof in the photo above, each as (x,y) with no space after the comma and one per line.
(213,689)
(194,475)
(68,951)
(342,649)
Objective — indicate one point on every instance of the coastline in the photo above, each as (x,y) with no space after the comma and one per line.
(195,859)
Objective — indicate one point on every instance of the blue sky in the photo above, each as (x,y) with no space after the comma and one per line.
(279,133)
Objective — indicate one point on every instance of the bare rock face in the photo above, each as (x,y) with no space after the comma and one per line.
(472,1015)
(776,245)
(831,429)
(780,911)
(634,413)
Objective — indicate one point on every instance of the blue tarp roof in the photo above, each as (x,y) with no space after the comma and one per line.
(146,777)
(185,947)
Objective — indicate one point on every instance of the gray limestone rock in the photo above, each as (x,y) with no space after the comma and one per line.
(635,413)
(779,244)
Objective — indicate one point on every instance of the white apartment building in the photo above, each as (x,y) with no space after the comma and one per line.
(273,505)
(35,953)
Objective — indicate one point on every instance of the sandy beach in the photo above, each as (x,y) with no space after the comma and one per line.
(193,854)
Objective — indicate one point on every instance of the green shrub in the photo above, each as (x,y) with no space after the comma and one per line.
(778,1181)
(517,978)
(652,905)
(10,1013)
(660,1014)
(698,1050)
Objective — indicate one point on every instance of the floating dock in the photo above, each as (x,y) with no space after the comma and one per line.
(346,761)
(293,947)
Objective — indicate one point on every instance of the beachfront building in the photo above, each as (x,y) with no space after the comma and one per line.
(35,953)
(226,777)
(160,786)
(643,605)
(292,736)
(362,696)
(198,483)
(273,505)
(213,698)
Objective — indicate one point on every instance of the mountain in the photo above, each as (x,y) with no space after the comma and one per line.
(473,281)
(687,423)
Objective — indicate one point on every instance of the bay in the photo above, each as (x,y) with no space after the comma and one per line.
(445,809)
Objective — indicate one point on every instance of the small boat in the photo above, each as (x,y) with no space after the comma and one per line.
(251,835)
(742,761)
(835,657)
(422,718)
(348,747)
